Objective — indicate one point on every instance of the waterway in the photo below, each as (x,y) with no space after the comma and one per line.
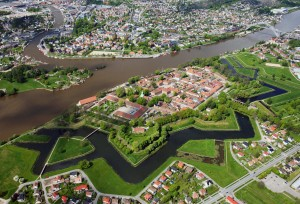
(129,173)
(31,109)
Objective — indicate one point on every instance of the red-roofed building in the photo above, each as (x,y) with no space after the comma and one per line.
(138,130)
(148,197)
(55,196)
(195,195)
(131,111)
(180,165)
(112,98)
(162,178)
(157,184)
(106,200)
(231,200)
(200,176)
(202,192)
(166,187)
(168,173)
(87,101)
(64,199)
(83,187)
(89,194)
(240,154)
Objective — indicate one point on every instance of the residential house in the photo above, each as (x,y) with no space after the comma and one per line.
(152,190)
(168,173)
(55,196)
(202,192)
(148,196)
(106,200)
(200,176)
(231,200)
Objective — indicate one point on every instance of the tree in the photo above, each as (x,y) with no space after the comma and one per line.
(121,103)
(141,101)
(120,92)
(85,164)
(222,98)
(103,125)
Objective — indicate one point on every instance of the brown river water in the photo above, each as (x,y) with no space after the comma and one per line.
(31,109)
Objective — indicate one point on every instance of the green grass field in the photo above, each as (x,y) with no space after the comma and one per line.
(200,147)
(279,72)
(15,161)
(67,148)
(33,138)
(253,194)
(29,85)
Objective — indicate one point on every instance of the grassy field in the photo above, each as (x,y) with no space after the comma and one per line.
(21,87)
(200,147)
(279,72)
(15,161)
(253,194)
(33,138)
(67,148)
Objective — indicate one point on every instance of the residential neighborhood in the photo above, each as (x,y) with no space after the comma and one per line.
(147,29)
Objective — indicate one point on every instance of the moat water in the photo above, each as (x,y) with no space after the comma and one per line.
(123,168)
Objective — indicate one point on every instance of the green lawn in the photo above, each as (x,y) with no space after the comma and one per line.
(279,72)
(67,148)
(253,194)
(33,138)
(200,147)
(29,85)
(15,161)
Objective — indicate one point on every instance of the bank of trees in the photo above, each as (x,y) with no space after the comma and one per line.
(21,73)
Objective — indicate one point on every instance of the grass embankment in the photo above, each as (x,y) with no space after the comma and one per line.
(15,161)
(67,148)
(33,138)
(252,193)
(205,148)
(263,108)
(282,77)
(243,71)
(21,87)
(106,180)
(230,123)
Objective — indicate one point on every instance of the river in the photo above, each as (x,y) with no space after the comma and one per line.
(31,109)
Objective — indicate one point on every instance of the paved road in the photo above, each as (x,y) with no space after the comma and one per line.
(228,190)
